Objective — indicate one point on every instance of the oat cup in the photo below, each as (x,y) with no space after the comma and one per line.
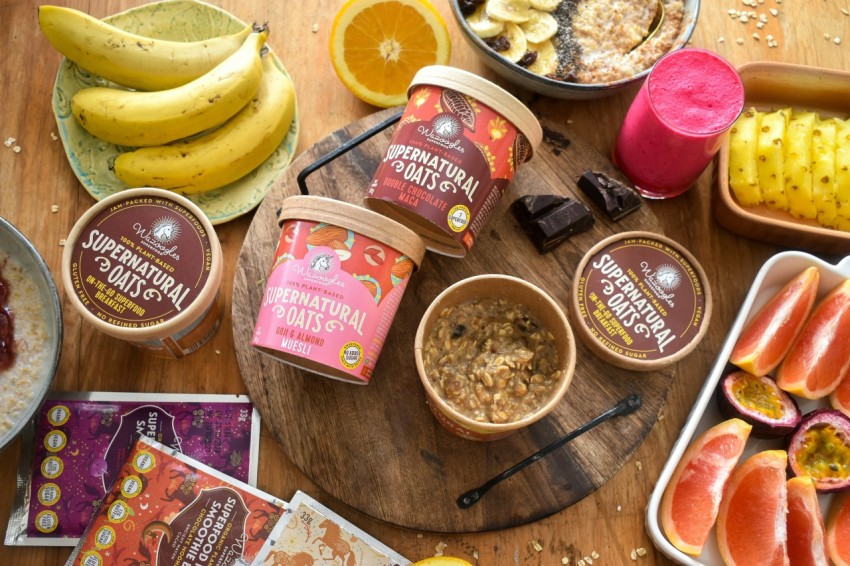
(452,155)
(546,315)
(144,265)
(336,281)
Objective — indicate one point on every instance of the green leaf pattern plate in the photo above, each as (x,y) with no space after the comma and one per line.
(92,159)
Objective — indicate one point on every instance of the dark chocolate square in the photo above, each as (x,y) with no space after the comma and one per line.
(612,196)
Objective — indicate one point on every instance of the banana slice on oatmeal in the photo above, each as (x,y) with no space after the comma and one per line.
(511,43)
(545,5)
(515,11)
(546,62)
(539,27)
(483,25)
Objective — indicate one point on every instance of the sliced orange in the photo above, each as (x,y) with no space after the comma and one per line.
(820,356)
(806,543)
(838,530)
(751,526)
(840,398)
(770,333)
(690,502)
(377,46)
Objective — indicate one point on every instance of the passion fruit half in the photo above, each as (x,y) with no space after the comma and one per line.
(759,402)
(820,448)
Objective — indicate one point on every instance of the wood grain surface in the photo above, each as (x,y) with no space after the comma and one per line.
(610,521)
(382,438)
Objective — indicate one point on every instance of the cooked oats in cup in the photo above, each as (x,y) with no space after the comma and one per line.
(491,360)
(494,354)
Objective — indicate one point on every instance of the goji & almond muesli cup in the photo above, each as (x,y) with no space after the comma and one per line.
(452,156)
(338,276)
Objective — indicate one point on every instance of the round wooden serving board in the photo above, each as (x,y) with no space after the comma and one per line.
(377,447)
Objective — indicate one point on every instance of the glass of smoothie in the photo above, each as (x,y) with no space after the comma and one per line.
(676,123)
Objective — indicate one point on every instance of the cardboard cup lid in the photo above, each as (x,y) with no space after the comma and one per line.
(640,301)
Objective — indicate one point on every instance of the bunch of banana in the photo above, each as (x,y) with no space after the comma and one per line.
(200,135)
(521,31)
(219,157)
(792,161)
(128,59)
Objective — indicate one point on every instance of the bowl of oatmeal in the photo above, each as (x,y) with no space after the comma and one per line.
(575,49)
(494,354)
(30,331)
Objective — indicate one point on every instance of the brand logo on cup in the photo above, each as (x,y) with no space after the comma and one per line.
(668,277)
(321,263)
(446,126)
(165,230)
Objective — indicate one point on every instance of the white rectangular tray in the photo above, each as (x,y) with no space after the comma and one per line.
(777,271)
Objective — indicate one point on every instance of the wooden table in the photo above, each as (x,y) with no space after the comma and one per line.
(611,521)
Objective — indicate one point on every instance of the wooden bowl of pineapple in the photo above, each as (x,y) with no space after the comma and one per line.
(783,173)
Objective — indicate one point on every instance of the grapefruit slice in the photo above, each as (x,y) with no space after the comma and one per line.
(840,398)
(820,356)
(838,530)
(692,497)
(770,333)
(751,525)
(806,543)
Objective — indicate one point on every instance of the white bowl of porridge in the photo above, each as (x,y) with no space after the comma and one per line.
(30,331)
(575,49)
(494,354)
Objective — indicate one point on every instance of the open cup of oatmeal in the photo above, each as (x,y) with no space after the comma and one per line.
(494,354)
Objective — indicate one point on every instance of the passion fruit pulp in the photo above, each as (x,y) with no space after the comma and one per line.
(759,402)
(820,448)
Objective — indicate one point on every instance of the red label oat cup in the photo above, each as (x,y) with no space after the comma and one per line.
(144,265)
(337,278)
(451,157)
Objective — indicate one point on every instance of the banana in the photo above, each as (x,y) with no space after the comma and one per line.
(539,27)
(515,11)
(546,62)
(517,44)
(128,59)
(135,118)
(545,5)
(482,25)
(223,155)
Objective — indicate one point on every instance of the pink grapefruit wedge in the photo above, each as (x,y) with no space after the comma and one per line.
(769,334)
(806,542)
(838,530)
(751,526)
(691,500)
(820,356)
(840,398)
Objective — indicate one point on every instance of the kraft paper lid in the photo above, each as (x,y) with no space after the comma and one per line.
(640,301)
(488,93)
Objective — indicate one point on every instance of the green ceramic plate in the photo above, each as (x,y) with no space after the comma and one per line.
(92,159)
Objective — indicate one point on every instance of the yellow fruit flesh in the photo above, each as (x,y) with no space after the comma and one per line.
(798,162)
(771,158)
(743,168)
(823,171)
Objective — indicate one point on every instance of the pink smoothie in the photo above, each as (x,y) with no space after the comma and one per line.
(676,123)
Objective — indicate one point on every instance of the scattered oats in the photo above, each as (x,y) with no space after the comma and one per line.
(733,13)
(827,37)
(53,136)
(17,149)
(9,142)
(565,560)
(475,554)
(760,25)
(536,546)
(594,555)
(721,39)
(218,352)
(315,28)
(845,12)
(54,208)
(638,465)
(763,18)
(588,560)
(740,41)
(633,554)
(418,535)
(770,37)
(837,41)
(756,36)
(62,242)
(744,18)
(619,508)
(779,1)
(761,1)
(660,416)
(581,562)
(642,551)
(438,550)
(774,12)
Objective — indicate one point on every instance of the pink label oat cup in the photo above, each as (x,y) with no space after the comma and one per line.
(451,157)
(337,278)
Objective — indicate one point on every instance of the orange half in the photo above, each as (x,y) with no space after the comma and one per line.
(377,46)
(838,530)
(690,502)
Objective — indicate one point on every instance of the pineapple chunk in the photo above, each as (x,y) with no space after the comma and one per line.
(823,171)
(842,174)
(798,165)
(771,162)
(743,168)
